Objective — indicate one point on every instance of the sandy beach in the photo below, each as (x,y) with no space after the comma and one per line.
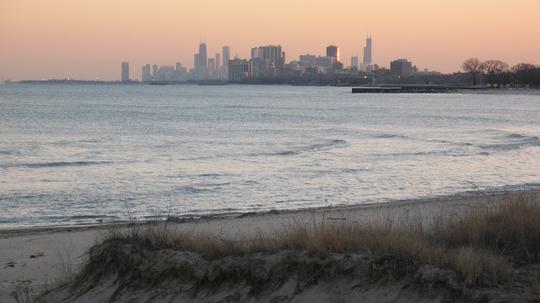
(38,259)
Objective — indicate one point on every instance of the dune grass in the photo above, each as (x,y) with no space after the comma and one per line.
(484,244)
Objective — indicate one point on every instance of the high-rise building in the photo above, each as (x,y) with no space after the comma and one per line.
(196,61)
(125,72)
(146,74)
(368,60)
(155,69)
(239,69)
(203,57)
(211,65)
(271,53)
(354,63)
(218,62)
(226,57)
(332,51)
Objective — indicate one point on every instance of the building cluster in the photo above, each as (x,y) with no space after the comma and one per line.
(268,64)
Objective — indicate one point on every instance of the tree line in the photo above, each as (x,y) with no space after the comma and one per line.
(499,73)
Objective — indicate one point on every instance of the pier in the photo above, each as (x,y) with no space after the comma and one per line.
(417,89)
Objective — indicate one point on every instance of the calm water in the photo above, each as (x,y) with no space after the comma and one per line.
(74,154)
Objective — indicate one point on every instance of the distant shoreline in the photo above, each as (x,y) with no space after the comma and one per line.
(449,87)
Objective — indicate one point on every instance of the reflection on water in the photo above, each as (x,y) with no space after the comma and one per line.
(98,153)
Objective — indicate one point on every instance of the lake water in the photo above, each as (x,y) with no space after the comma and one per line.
(73,154)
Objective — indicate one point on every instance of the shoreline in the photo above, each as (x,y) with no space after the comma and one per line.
(459,88)
(190,218)
(43,258)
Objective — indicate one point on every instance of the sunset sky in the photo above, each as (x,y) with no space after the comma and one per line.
(87,39)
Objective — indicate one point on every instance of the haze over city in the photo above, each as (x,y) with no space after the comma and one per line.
(87,40)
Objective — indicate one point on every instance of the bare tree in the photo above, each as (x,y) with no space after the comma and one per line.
(525,73)
(474,67)
(494,69)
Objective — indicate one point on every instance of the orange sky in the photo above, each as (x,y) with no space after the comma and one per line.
(87,39)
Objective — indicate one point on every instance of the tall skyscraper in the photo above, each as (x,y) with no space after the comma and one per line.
(146,74)
(368,60)
(203,57)
(226,57)
(332,51)
(125,72)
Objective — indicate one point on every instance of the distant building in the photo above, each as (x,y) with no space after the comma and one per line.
(354,63)
(320,63)
(368,60)
(261,68)
(401,68)
(211,65)
(203,57)
(166,73)
(180,68)
(308,60)
(125,72)
(271,53)
(226,57)
(181,72)
(155,68)
(146,73)
(218,62)
(332,51)
(196,61)
(239,69)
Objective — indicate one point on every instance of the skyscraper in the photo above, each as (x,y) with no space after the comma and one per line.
(203,57)
(196,62)
(125,72)
(146,75)
(332,51)
(211,65)
(354,63)
(271,53)
(218,62)
(155,69)
(367,52)
(226,56)
(239,70)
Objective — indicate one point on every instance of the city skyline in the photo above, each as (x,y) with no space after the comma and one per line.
(66,39)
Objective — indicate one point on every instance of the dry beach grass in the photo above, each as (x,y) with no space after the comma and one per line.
(488,251)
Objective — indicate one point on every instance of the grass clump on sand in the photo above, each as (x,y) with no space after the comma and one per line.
(483,246)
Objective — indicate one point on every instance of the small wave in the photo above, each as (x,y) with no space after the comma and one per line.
(516,136)
(319,146)
(513,141)
(214,175)
(390,136)
(5,152)
(191,189)
(59,164)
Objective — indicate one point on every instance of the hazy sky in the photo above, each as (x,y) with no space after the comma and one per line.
(87,39)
